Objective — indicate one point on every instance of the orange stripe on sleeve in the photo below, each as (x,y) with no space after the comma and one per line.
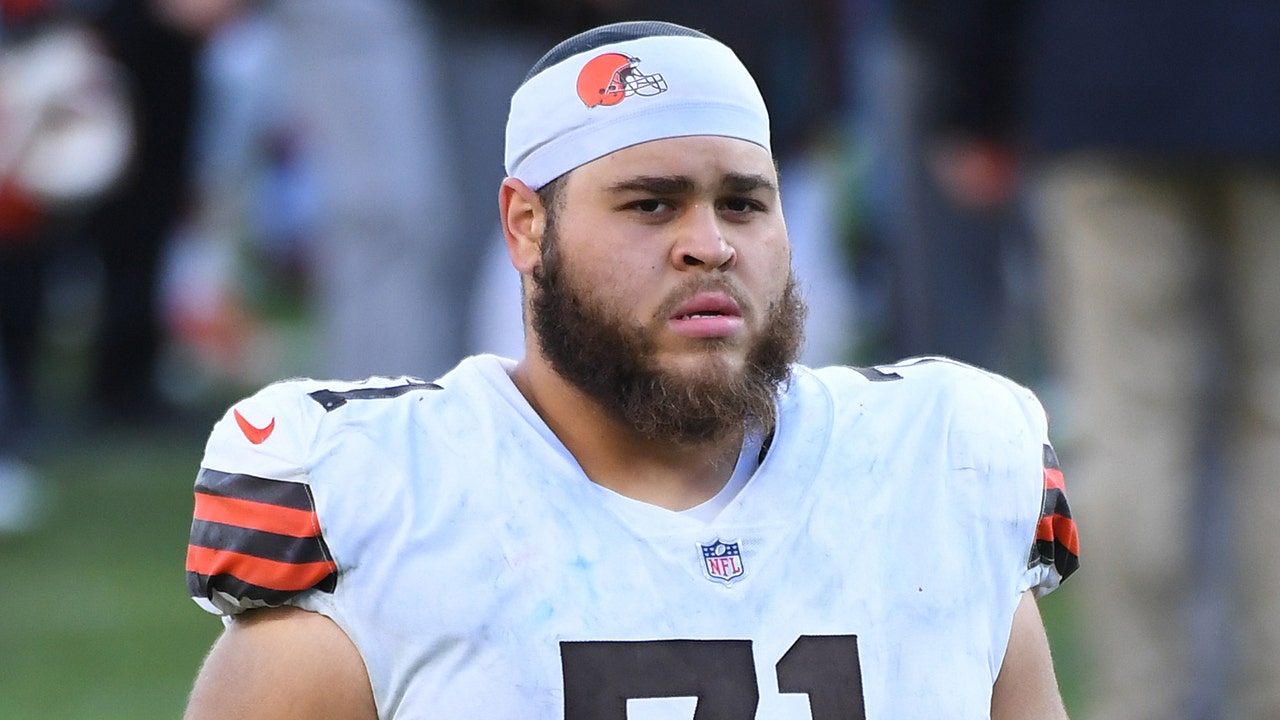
(1060,529)
(256,515)
(258,571)
(1053,479)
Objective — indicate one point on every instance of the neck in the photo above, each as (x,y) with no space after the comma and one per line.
(673,475)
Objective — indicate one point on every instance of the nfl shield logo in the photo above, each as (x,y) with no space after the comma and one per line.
(722,561)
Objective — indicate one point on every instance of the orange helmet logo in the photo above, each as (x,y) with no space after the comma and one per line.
(607,79)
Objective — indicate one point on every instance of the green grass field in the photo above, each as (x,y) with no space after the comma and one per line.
(95,623)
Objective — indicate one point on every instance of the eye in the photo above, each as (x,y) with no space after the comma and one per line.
(742,206)
(649,206)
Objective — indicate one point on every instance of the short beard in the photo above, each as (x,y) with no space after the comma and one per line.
(611,361)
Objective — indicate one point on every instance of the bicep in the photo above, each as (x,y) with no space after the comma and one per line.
(1027,686)
(282,664)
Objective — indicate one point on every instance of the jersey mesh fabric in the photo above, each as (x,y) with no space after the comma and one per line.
(887,535)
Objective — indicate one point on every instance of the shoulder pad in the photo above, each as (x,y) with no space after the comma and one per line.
(256,539)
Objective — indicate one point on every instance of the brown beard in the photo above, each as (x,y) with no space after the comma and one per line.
(611,361)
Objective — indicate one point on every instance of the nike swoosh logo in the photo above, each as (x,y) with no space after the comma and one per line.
(255,435)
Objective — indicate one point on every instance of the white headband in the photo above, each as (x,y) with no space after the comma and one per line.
(625,93)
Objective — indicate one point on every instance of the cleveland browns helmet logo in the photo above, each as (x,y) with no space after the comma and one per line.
(607,79)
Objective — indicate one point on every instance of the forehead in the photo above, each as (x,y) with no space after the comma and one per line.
(703,159)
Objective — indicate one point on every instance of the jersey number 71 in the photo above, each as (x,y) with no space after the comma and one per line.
(600,676)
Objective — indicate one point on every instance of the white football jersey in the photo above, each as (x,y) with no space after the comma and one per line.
(869,568)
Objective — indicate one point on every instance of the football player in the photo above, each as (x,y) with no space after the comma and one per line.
(655,512)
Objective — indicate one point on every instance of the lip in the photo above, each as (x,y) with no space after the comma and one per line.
(707,315)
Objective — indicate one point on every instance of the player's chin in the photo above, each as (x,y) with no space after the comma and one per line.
(708,362)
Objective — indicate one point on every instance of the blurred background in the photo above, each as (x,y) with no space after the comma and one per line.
(198,197)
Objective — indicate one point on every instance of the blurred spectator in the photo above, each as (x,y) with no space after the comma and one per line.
(388,257)
(237,277)
(134,223)
(108,137)
(941,273)
(64,139)
(358,154)
(1152,131)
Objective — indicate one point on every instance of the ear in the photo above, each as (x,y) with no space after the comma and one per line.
(523,222)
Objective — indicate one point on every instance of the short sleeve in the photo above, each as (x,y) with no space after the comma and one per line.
(1055,553)
(1055,548)
(1012,429)
(256,540)
(1054,544)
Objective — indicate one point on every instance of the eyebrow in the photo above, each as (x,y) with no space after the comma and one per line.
(745,183)
(683,185)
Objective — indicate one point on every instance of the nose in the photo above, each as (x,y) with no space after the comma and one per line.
(701,243)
